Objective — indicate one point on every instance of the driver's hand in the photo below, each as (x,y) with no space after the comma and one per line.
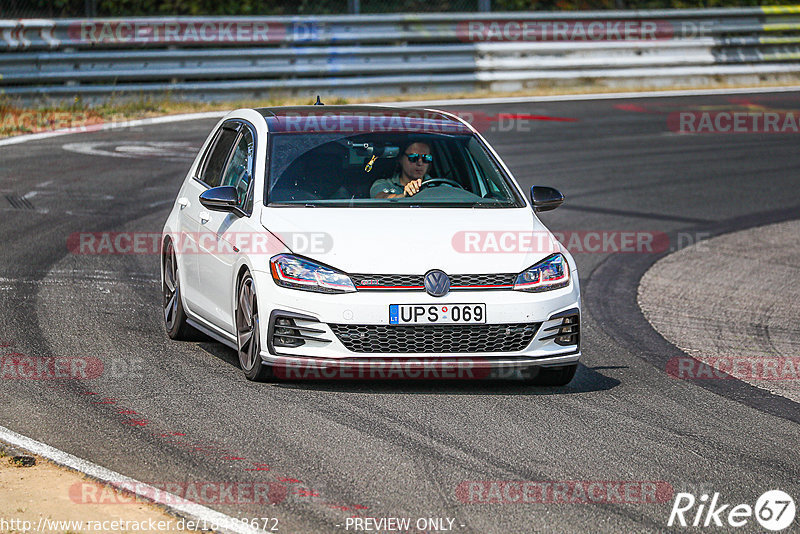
(412,187)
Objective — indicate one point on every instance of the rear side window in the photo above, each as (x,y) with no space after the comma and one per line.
(211,174)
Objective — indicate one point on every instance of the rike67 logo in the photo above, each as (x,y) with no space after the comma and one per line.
(774,510)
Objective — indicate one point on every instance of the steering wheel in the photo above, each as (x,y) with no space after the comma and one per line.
(438,181)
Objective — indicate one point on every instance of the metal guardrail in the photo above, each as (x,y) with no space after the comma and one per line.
(231,57)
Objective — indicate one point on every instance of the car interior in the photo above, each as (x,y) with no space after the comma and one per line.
(345,168)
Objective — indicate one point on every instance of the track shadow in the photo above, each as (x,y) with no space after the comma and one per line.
(220,351)
(587,380)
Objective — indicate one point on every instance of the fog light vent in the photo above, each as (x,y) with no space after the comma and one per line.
(566,333)
(285,332)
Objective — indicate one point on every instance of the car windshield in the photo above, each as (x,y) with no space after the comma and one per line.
(367,170)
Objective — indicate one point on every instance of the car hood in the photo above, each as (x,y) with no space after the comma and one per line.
(414,240)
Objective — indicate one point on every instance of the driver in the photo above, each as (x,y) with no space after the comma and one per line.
(412,170)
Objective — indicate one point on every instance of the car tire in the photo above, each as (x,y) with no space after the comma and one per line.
(248,334)
(554,376)
(174,314)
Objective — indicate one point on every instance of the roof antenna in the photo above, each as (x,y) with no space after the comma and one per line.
(318,102)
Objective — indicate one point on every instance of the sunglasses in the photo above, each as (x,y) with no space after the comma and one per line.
(426,158)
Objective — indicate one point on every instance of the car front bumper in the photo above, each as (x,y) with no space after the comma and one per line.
(316,316)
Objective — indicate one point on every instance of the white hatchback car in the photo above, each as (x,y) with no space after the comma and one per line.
(345,241)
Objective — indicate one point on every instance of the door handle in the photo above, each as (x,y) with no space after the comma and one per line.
(183,202)
(204,217)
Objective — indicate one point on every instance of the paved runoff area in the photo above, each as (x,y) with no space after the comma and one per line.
(732,303)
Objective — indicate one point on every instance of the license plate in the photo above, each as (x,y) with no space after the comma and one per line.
(437,313)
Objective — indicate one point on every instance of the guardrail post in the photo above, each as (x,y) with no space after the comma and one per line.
(485,5)
(354,6)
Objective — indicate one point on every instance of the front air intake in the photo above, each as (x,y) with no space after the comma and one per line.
(285,332)
(436,338)
(568,332)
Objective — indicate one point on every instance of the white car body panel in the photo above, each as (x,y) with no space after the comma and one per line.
(411,240)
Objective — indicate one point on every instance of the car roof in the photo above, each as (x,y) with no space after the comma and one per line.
(358,119)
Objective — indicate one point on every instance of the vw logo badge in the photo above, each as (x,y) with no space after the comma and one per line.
(437,283)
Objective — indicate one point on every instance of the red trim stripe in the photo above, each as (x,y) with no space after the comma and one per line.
(423,287)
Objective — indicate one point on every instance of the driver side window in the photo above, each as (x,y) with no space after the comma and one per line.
(211,171)
(239,171)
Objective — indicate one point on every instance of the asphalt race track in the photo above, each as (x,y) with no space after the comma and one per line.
(168,412)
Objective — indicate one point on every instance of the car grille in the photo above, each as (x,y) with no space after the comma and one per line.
(416,281)
(482,280)
(382,281)
(436,338)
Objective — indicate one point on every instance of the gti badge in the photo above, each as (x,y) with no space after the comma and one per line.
(437,283)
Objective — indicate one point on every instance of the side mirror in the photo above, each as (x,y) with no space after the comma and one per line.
(545,198)
(222,198)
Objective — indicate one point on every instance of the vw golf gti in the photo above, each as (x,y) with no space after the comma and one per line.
(361,236)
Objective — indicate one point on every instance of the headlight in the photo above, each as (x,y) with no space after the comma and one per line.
(299,273)
(550,273)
